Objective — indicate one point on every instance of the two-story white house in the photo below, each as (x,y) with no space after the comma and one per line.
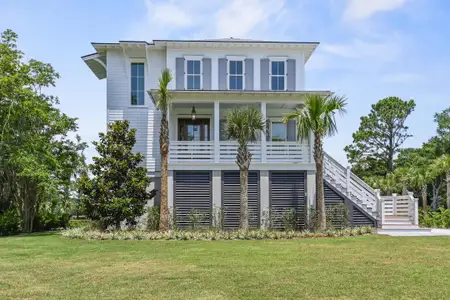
(209,78)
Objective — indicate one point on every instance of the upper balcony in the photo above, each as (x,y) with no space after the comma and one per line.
(197,132)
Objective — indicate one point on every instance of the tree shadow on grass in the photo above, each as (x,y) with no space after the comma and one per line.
(33,234)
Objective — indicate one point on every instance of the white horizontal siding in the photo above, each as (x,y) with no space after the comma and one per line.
(117,84)
(145,119)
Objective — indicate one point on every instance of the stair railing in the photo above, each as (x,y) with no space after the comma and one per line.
(351,184)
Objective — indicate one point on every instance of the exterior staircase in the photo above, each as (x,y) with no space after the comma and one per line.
(391,212)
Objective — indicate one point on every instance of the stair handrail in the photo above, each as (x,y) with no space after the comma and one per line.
(355,180)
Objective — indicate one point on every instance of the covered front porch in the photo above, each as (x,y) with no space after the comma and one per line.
(197,129)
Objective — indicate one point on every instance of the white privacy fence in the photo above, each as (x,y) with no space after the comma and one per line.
(400,206)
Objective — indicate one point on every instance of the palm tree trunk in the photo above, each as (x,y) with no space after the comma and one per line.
(448,190)
(244,199)
(318,157)
(424,198)
(164,148)
(243,160)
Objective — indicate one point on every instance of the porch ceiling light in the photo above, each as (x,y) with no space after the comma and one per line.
(193,112)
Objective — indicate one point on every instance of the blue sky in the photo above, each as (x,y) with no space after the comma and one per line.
(369,49)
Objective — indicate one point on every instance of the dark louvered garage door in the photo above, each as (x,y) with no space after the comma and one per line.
(231,199)
(287,191)
(192,193)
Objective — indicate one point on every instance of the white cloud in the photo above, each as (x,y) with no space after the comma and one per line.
(404,77)
(240,17)
(212,19)
(168,14)
(364,9)
(387,50)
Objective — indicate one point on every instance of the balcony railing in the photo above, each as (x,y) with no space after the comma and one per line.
(187,151)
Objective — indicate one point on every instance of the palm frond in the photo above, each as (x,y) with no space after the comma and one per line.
(244,124)
(318,115)
(162,95)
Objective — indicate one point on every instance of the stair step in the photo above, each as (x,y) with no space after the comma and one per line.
(399,227)
(396,218)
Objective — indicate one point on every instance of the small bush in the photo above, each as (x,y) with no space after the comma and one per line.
(153,218)
(80,224)
(195,218)
(289,219)
(49,221)
(9,222)
(209,235)
(435,219)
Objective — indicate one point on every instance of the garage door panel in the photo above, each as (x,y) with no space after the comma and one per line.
(287,192)
(192,191)
(231,199)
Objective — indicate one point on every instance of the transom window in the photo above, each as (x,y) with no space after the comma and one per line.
(236,75)
(193,74)
(137,84)
(278,75)
(279,132)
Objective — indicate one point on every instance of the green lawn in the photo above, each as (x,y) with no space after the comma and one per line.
(369,267)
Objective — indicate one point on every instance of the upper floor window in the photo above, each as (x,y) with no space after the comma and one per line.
(236,75)
(193,75)
(277,75)
(137,84)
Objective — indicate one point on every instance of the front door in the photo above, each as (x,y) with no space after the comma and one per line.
(193,130)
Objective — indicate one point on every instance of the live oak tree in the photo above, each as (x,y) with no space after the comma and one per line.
(379,137)
(37,157)
(243,125)
(116,188)
(317,116)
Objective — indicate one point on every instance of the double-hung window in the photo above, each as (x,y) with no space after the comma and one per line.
(277,75)
(235,74)
(193,74)
(137,84)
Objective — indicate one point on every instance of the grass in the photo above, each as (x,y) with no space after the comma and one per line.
(368,267)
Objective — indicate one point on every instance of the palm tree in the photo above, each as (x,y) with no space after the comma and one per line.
(387,184)
(402,176)
(243,125)
(442,166)
(317,115)
(161,101)
(420,178)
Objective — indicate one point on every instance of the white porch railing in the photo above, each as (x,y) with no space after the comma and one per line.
(181,151)
(228,151)
(188,151)
(287,152)
(400,206)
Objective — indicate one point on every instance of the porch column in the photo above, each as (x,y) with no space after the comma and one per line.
(311,147)
(170,199)
(216,196)
(263,132)
(216,131)
(311,188)
(264,197)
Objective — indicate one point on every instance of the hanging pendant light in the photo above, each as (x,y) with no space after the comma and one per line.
(193,112)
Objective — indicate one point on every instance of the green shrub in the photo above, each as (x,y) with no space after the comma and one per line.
(208,235)
(84,223)
(289,219)
(9,222)
(49,221)
(153,218)
(435,219)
